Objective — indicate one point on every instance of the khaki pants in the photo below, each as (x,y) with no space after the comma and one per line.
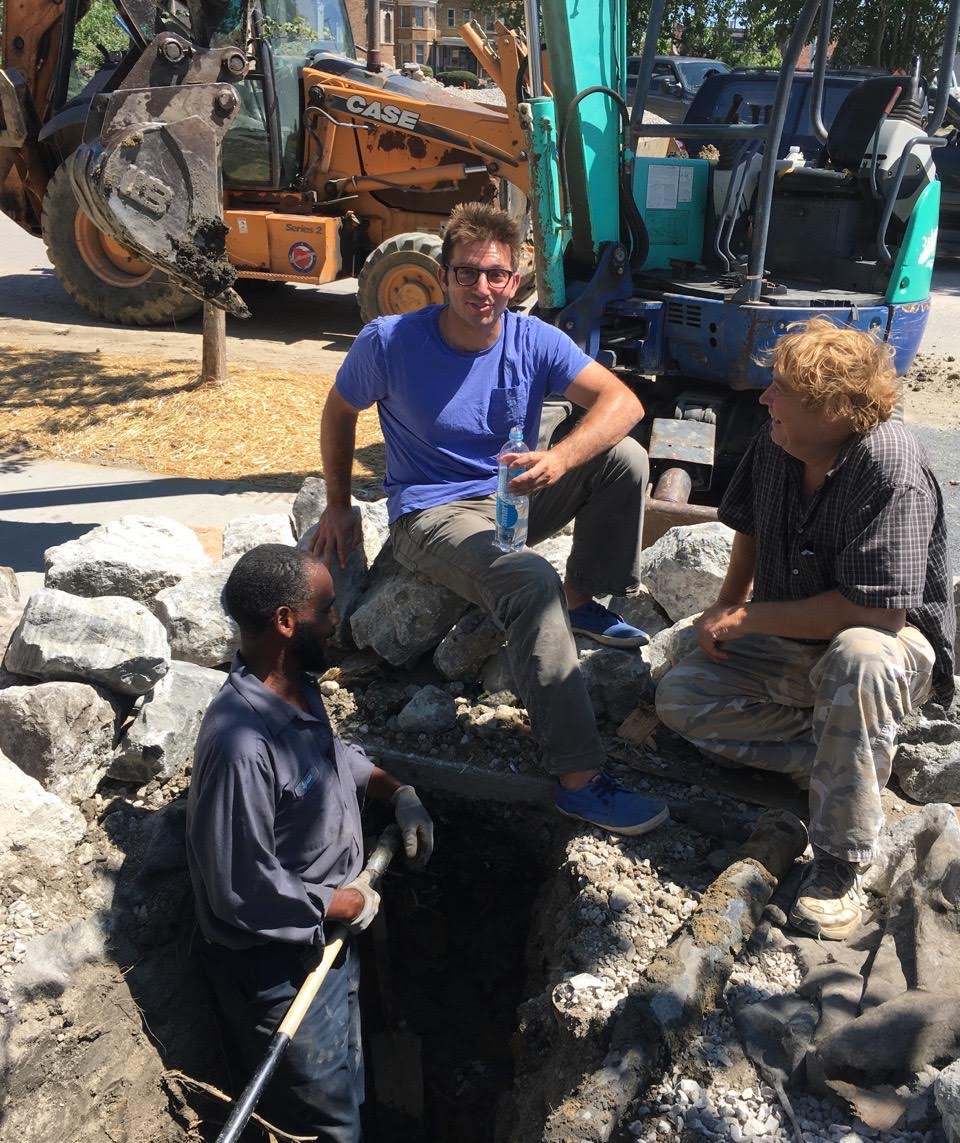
(453,544)
(829,711)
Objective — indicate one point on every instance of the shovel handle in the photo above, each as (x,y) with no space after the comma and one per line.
(388,845)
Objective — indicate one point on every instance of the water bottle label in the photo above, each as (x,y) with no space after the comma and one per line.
(507,514)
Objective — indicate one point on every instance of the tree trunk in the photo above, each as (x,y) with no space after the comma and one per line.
(213,368)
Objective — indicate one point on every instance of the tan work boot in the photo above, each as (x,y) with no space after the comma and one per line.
(830,901)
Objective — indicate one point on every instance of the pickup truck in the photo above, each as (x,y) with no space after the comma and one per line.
(755,87)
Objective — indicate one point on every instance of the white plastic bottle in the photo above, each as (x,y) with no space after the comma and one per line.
(512,511)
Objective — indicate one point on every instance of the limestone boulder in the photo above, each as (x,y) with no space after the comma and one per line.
(197,624)
(402,614)
(135,556)
(956,607)
(463,651)
(111,641)
(616,680)
(9,587)
(556,551)
(10,615)
(38,830)
(308,505)
(246,532)
(430,711)
(349,581)
(641,610)
(685,568)
(60,733)
(946,1094)
(161,740)
(669,646)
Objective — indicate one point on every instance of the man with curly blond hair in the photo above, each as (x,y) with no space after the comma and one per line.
(836,616)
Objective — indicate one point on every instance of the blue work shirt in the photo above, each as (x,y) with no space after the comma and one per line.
(446,413)
(273,815)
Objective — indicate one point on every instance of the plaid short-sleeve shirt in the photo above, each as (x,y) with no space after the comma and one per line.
(874,531)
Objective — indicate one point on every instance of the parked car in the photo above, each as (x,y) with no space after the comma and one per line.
(673,84)
(745,95)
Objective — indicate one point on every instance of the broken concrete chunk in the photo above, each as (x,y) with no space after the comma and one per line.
(59,733)
(246,532)
(403,615)
(9,587)
(946,1092)
(38,831)
(112,641)
(686,566)
(193,614)
(135,556)
(467,646)
(431,711)
(160,742)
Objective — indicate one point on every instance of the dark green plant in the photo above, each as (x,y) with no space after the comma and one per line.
(458,78)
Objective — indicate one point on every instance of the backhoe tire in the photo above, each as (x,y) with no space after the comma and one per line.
(99,274)
(400,276)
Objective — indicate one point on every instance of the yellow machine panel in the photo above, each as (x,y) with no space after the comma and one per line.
(284,247)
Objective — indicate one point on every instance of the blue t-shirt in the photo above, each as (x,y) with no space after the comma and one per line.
(445,413)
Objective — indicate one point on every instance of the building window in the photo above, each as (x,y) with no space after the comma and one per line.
(419,16)
(466,15)
(418,48)
(451,17)
(386,28)
(488,21)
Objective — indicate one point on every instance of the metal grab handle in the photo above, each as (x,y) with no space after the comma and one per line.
(932,141)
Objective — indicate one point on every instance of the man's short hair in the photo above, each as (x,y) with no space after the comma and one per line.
(847,372)
(263,579)
(480,222)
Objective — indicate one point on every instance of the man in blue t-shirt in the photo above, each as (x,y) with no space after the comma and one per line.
(450,382)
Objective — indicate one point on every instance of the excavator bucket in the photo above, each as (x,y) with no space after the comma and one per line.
(150,178)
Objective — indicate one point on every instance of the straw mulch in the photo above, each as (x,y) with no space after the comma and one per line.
(260,427)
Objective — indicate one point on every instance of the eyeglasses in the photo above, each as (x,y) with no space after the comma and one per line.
(497,277)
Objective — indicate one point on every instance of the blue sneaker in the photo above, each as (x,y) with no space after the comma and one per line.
(605,626)
(603,803)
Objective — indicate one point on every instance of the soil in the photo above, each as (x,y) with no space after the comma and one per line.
(932,389)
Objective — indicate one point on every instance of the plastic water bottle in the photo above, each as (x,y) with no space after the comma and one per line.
(512,511)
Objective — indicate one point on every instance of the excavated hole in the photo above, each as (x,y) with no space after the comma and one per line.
(455,973)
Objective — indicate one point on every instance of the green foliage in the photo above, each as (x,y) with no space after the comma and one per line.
(427,70)
(458,78)
(97,30)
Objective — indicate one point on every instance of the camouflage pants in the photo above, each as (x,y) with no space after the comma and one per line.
(829,711)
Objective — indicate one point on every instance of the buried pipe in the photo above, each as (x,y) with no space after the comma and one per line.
(666,1007)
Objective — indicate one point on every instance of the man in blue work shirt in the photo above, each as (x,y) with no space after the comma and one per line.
(450,382)
(274,844)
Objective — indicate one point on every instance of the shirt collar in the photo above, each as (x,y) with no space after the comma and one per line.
(274,711)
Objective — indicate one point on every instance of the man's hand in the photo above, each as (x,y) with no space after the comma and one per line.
(718,624)
(370,903)
(415,824)
(339,531)
(540,470)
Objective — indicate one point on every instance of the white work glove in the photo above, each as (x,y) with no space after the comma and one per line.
(371,903)
(415,824)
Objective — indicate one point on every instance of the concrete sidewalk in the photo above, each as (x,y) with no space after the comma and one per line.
(45,502)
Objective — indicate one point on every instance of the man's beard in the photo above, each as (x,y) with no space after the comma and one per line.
(308,650)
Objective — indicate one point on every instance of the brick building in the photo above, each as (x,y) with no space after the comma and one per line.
(357,13)
(421,31)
